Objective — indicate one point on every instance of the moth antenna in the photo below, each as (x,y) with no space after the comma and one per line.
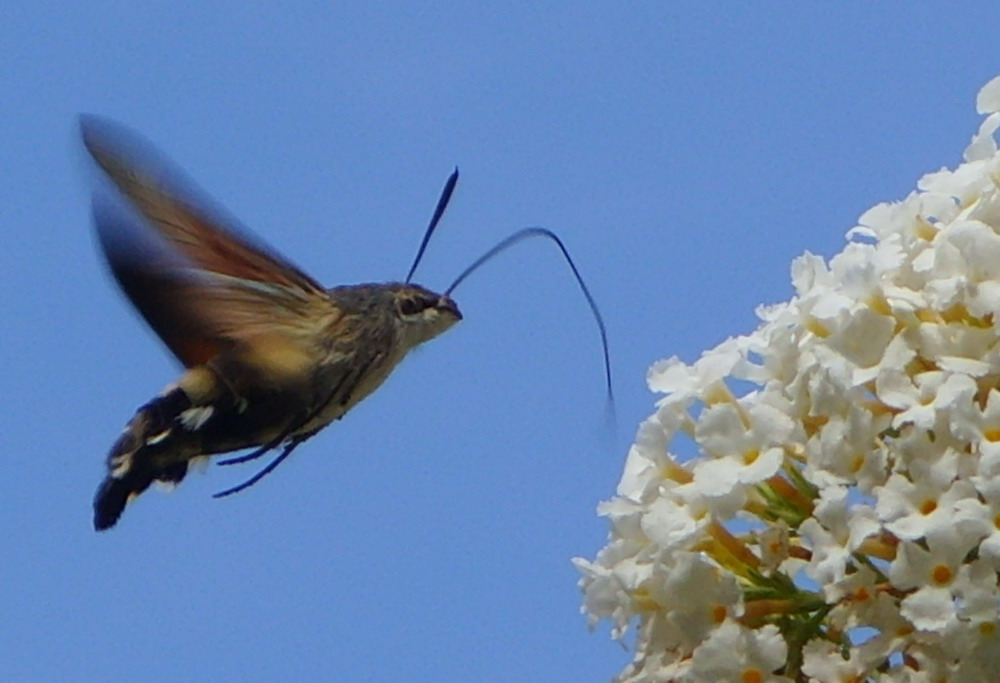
(527,233)
(442,204)
(270,467)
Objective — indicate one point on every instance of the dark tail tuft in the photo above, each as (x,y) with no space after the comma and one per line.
(141,456)
(114,494)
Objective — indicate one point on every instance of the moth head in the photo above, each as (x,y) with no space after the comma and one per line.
(423,314)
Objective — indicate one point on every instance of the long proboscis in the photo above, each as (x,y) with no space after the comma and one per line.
(527,233)
(449,188)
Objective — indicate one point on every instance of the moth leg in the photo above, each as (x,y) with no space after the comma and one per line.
(289,447)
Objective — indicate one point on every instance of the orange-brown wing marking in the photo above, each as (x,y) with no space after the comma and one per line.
(200,286)
(166,199)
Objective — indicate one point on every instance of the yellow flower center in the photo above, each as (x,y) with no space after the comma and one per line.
(941,575)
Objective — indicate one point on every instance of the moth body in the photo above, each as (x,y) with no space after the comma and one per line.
(271,356)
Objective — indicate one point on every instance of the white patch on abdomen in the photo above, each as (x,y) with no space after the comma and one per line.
(192,419)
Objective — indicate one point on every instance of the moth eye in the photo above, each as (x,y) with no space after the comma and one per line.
(411,306)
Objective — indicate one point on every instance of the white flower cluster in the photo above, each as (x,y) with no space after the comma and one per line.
(840,520)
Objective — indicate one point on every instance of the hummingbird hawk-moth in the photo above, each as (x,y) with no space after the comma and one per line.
(271,357)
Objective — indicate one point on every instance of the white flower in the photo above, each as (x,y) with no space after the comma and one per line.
(915,510)
(824,661)
(840,519)
(942,579)
(735,653)
(672,523)
(833,534)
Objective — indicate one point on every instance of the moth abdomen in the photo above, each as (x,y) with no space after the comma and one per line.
(200,416)
(147,451)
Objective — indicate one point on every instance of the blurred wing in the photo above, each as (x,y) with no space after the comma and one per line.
(202,287)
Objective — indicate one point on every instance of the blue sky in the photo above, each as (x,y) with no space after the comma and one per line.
(685,152)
